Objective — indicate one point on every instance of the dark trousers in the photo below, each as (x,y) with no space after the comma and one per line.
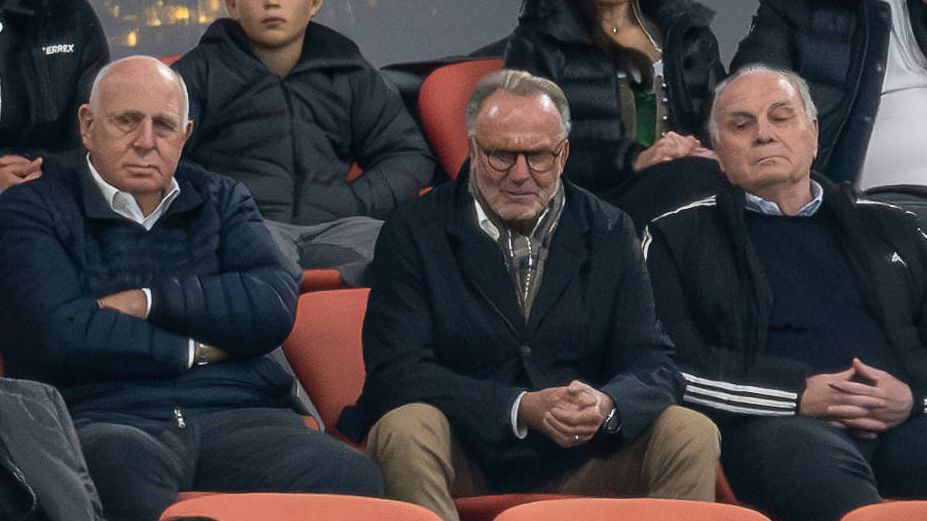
(802,469)
(139,473)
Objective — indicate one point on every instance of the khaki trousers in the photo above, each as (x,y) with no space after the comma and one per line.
(422,461)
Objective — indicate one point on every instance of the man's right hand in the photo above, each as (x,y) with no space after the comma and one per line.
(569,415)
(16,170)
(669,147)
(863,399)
(132,302)
(209,354)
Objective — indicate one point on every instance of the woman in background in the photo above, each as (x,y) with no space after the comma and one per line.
(639,76)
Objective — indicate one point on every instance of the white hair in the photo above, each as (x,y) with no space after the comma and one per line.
(794,80)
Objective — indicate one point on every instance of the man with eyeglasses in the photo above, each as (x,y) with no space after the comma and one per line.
(510,340)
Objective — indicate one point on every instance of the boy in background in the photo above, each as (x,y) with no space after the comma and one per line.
(286,107)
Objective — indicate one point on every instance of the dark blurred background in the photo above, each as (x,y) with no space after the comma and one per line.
(387,31)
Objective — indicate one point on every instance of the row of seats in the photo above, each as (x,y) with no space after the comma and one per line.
(299,507)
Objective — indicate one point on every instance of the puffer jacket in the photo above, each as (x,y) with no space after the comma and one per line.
(292,140)
(555,39)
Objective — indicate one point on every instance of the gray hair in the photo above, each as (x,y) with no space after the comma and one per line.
(104,72)
(794,80)
(518,83)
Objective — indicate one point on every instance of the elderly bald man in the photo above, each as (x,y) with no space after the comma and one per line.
(149,292)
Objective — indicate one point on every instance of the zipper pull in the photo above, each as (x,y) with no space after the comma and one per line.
(178,416)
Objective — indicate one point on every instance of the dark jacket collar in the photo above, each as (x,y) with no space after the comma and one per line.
(323,48)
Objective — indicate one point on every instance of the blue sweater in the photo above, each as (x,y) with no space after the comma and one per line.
(214,277)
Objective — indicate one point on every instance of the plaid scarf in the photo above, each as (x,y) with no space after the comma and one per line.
(525,255)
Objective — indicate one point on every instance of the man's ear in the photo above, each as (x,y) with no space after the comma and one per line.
(188,131)
(714,147)
(471,150)
(314,8)
(565,154)
(85,119)
(815,156)
(231,7)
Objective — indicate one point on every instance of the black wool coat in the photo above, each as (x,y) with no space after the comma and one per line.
(443,327)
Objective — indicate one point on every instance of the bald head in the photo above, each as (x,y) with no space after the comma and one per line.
(134,68)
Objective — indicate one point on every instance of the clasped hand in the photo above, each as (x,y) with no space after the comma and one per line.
(669,147)
(16,170)
(863,399)
(569,415)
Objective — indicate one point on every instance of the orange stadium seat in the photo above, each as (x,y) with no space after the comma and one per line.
(295,507)
(644,509)
(318,279)
(442,105)
(169,60)
(324,350)
(889,511)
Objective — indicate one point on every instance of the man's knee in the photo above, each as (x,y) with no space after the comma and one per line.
(136,475)
(347,472)
(686,432)
(772,441)
(122,448)
(414,428)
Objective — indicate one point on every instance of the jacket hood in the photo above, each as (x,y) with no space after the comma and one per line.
(573,20)
(322,47)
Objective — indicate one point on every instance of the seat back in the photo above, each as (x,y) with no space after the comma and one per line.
(324,350)
(889,511)
(442,106)
(647,509)
(295,507)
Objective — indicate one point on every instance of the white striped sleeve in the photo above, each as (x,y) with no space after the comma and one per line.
(741,399)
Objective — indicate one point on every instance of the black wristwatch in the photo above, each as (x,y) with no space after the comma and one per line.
(612,423)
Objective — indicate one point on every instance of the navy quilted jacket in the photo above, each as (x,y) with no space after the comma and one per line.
(213,274)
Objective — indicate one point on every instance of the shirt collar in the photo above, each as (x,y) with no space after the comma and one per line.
(757,204)
(490,228)
(125,205)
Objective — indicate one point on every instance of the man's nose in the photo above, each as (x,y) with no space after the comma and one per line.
(764,131)
(144,134)
(520,172)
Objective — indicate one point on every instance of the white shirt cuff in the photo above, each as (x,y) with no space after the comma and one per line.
(522,432)
(192,353)
(147,292)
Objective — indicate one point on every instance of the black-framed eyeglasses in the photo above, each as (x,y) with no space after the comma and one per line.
(539,162)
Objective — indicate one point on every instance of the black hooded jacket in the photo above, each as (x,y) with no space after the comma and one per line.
(292,140)
(555,39)
(52,51)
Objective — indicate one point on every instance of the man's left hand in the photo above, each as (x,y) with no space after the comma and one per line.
(579,417)
(131,302)
(873,403)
